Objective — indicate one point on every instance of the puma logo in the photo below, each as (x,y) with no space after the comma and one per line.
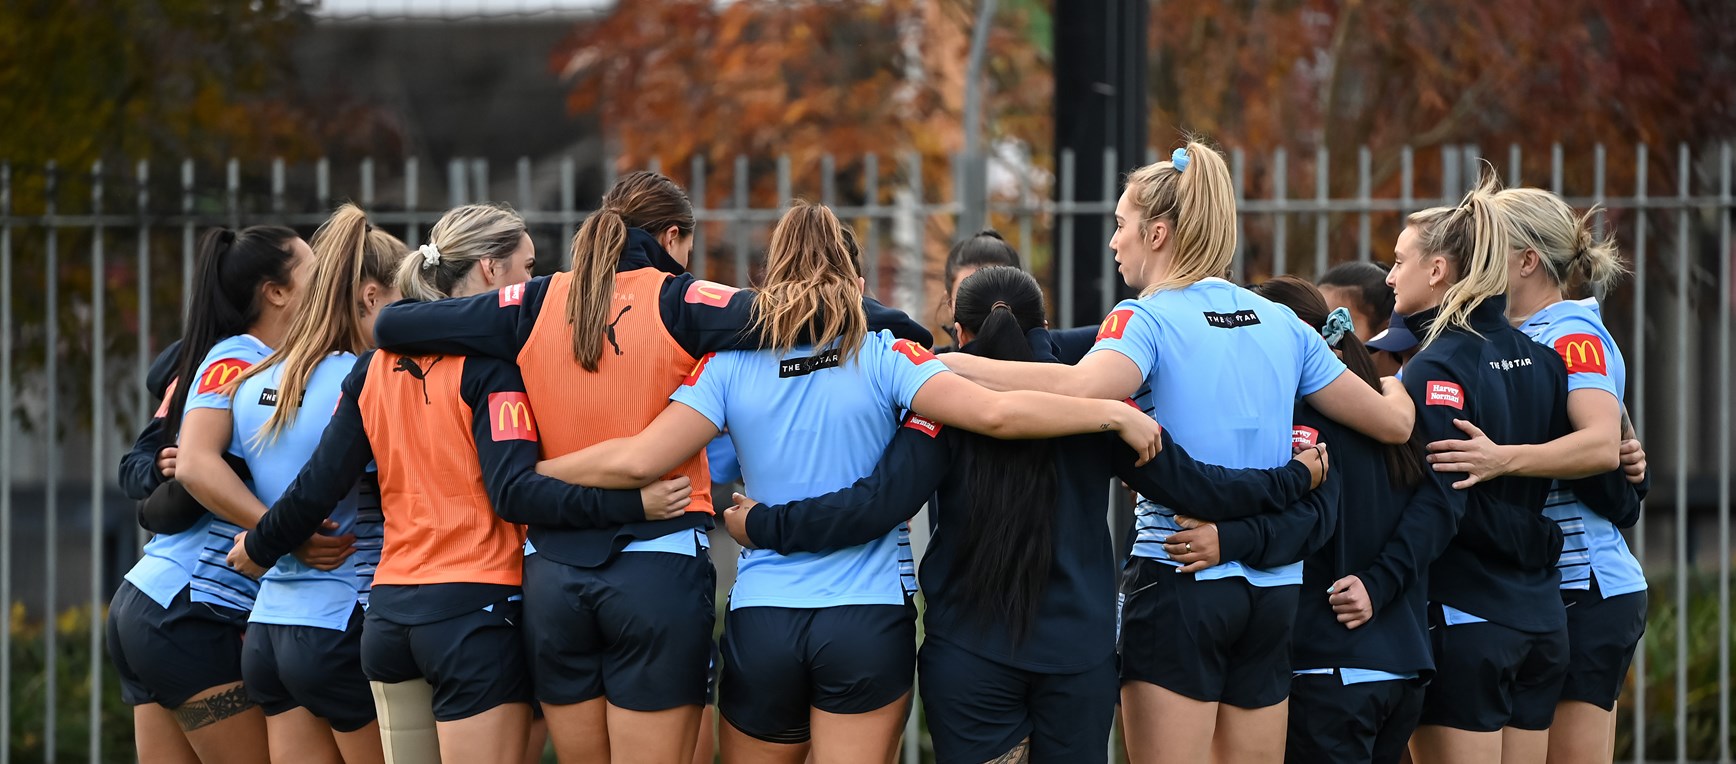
(408,364)
(609,331)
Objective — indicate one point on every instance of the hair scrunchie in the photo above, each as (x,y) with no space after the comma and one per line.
(1338,324)
(1180,159)
(430,255)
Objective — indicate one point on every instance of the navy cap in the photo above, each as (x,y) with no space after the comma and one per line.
(1396,338)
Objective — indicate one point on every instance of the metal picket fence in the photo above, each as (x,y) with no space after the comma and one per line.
(95,263)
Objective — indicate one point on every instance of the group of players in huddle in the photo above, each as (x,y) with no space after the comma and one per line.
(413,505)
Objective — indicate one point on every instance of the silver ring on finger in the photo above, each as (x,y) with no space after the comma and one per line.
(1188,547)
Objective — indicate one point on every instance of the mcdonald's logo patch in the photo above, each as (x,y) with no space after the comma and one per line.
(1583,354)
(923,425)
(221,373)
(163,409)
(1304,437)
(1446,394)
(709,293)
(512,295)
(510,413)
(698,369)
(917,354)
(1114,325)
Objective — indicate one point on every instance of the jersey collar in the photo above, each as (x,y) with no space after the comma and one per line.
(643,251)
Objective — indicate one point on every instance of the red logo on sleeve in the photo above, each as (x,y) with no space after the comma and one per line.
(163,410)
(698,369)
(1114,325)
(512,295)
(917,354)
(221,373)
(510,416)
(709,293)
(1583,354)
(923,425)
(1304,437)
(1446,394)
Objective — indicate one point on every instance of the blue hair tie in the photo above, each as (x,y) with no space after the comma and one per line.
(1179,158)
(1338,324)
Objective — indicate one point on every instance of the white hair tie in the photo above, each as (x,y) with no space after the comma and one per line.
(430,255)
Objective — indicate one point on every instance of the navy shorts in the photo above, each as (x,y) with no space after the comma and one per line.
(1331,721)
(780,662)
(168,655)
(475,661)
(636,630)
(287,667)
(1601,636)
(1220,640)
(979,709)
(1489,676)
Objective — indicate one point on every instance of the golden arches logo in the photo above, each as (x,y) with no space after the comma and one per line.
(1114,325)
(1583,353)
(221,373)
(511,414)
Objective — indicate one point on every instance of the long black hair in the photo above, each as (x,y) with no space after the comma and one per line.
(227,274)
(1404,462)
(1006,536)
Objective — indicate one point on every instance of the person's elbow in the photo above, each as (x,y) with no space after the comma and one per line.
(1395,428)
(996,420)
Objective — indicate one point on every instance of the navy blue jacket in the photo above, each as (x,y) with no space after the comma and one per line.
(1493,553)
(138,472)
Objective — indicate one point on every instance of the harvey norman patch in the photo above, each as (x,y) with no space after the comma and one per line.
(1446,394)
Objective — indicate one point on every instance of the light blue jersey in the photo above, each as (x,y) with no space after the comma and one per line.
(196,557)
(1223,369)
(291,593)
(1591,545)
(805,425)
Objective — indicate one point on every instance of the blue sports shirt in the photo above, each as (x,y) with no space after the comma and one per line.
(1592,545)
(805,424)
(1223,368)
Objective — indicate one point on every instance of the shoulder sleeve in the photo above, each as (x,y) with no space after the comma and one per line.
(705,316)
(909,472)
(1320,366)
(896,321)
(339,460)
(163,370)
(1131,330)
(504,428)
(1208,491)
(221,367)
(1071,345)
(1585,352)
(706,388)
(139,475)
(903,367)
(495,324)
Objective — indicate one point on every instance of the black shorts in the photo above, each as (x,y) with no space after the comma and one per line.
(287,667)
(1331,721)
(1489,676)
(166,655)
(1220,641)
(780,662)
(636,630)
(1601,636)
(475,661)
(979,709)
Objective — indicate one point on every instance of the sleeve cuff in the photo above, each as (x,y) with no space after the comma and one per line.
(622,507)
(762,527)
(256,551)
(1235,541)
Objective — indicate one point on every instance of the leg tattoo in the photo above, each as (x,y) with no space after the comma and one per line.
(208,711)
(1019,755)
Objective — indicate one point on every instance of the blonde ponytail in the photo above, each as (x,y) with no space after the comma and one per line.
(461,238)
(348,253)
(1474,238)
(1572,255)
(597,249)
(1200,202)
(811,285)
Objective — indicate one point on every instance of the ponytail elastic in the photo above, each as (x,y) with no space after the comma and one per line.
(1179,159)
(1338,324)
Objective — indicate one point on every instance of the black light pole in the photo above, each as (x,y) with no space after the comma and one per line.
(1100,102)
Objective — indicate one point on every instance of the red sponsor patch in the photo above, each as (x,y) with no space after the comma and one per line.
(512,295)
(163,408)
(1446,394)
(1114,325)
(510,416)
(709,293)
(917,354)
(698,369)
(1583,354)
(221,373)
(1304,437)
(923,425)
